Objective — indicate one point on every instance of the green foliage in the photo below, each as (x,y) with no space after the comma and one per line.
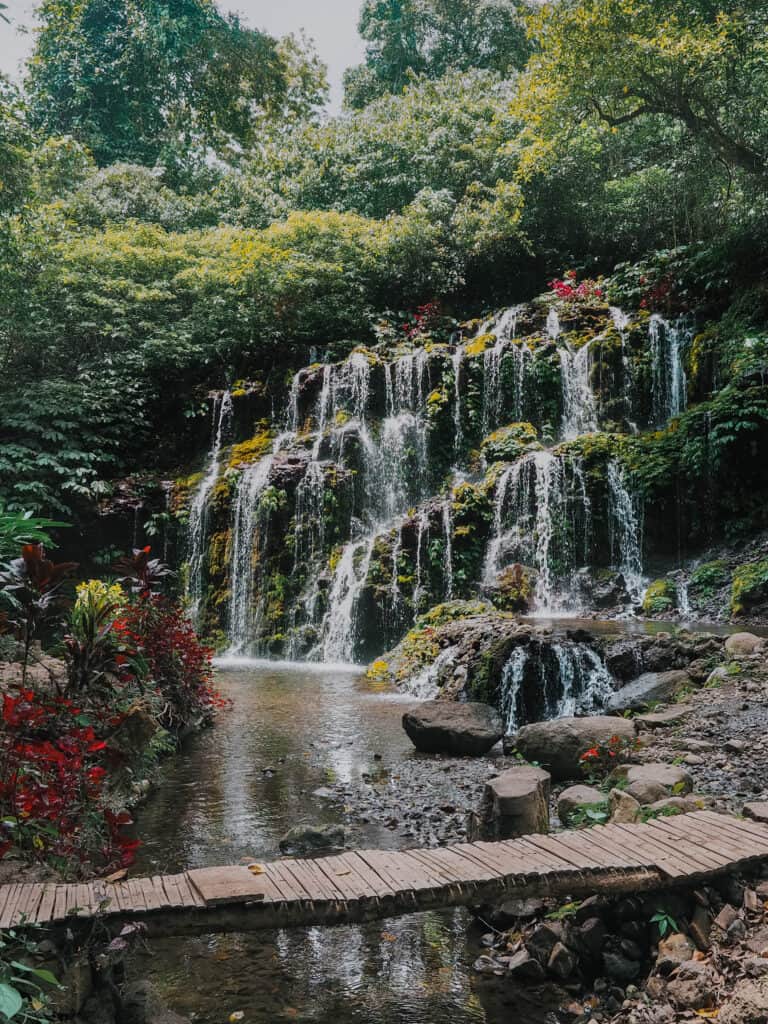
(432,37)
(664,922)
(661,596)
(24,987)
(147,81)
(18,528)
(708,577)
(509,443)
(586,815)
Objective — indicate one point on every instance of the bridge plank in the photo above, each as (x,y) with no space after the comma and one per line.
(573,859)
(721,840)
(438,869)
(190,894)
(391,868)
(594,853)
(739,826)
(289,885)
(347,878)
(369,885)
(507,862)
(549,861)
(326,867)
(45,907)
(325,888)
(462,866)
(29,899)
(9,910)
(704,860)
(317,889)
(381,886)
(220,885)
(173,895)
(618,845)
(671,865)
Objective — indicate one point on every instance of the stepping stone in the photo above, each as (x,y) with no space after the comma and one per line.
(664,719)
(757,810)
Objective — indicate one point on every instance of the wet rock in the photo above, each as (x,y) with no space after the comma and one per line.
(558,744)
(748,1004)
(623,659)
(511,911)
(562,962)
(515,803)
(446,727)
(543,940)
(624,809)
(648,688)
(576,797)
(142,1005)
(692,987)
(589,936)
(524,967)
(619,967)
(742,644)
(674,950)
(307,838)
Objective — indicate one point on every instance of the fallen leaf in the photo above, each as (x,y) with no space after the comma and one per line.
(236,1016)
(708,1014)
(388,937)
(256,869)
(340,873)
(698,955)
(117,876)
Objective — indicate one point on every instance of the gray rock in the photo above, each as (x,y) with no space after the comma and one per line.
(142,1005)
(525,967)
(673,778)
(646,791)
(624,808)
(306,838)
(748,1004)
(515,803)
(558,744)
(620,968)
(562,962)
(589,936)
(543,940)
(675,803)
(649,688)
(447,727)
(664,719)
(757,810)
(673,951)
(575,797)
(692,987)
(740,644)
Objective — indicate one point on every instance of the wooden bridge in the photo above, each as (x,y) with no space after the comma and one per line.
(369,884)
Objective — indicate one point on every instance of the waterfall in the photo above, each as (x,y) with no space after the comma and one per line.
(448,552)
(456,360)
(348,581)
(553,325)
(197,530)
(252,484)
(626,533)
(424,685)
(548,680)
(621,322)
(541,512)
(422,532)
(683,598)
(579,407)
(668,342)
(505,329)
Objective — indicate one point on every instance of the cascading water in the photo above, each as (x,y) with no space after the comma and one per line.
(541,513)
(621,322)
(456,360)
(579,407)
(668,343)
(197,535)
(626,533)
(552,680)
(505,330)
(448,553)
(348,581)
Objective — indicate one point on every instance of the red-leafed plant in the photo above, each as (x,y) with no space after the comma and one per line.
(570,289)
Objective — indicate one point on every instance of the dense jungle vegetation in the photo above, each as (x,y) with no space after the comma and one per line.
(176,207)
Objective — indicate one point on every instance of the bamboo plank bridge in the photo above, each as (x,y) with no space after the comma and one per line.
(365,885)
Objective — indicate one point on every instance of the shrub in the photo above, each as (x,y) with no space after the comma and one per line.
(661,596)
(750,586)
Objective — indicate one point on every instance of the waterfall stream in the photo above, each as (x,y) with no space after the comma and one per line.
(197,530)
(668,344)
(579,407)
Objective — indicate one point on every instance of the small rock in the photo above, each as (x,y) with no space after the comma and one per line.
(646,791)
(758,943)
(543,940)
(525,967)
(701,926)
(562,962)
(571,799)
(447,727)
(664,719)
(692,987)
(757,810)
(726,917)
(589,936)
(675,803)
(748,1004)
(693,760)
(306,838)
(735,746)
(623,807)
(621,968)
(673,950)
(675,780)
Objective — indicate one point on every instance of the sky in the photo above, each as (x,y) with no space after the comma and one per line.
(331,23)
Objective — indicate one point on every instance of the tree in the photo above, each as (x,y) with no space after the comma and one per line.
(431,37)
(15,146)
(615,62)
(148,80)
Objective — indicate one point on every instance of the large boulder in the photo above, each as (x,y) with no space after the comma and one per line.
(649,688)
(557,745)
(656,776)
(515,803)
(740,645)
(446,727)
(310,838)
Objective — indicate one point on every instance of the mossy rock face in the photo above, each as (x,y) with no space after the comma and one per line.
(508,443)
(182,491)
(660,597)
(513,589)
(750,586)
(451,611)
(708,577)
(253,449)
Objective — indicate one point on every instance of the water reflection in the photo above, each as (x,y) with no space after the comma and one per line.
(233,793)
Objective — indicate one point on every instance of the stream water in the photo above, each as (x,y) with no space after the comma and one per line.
(232,793)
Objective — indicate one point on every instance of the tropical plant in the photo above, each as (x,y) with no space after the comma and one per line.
(24,988)
(18,528)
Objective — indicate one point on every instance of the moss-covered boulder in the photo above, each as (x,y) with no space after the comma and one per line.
(660,597)
(749,587)
(508,443)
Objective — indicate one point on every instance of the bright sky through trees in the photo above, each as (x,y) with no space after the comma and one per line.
(332,25)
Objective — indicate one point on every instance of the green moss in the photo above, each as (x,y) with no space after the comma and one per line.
(750,586)
(450,611)
(508,443)
(252,450)
(661,596)
(183,489)
(514,589)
